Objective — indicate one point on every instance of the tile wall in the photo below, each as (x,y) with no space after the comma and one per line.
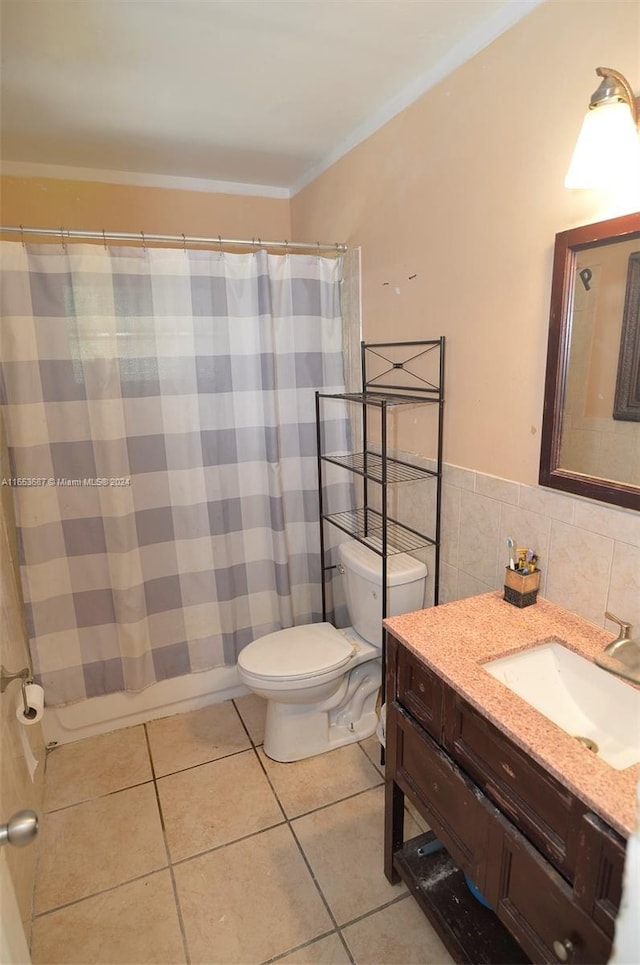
(589,552)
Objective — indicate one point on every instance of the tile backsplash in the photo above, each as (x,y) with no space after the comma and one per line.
(589,552)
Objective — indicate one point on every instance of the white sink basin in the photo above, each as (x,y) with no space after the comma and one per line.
(578,696)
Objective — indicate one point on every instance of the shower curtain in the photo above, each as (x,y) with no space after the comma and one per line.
(160,420)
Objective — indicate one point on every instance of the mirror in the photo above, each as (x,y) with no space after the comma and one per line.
(591,419)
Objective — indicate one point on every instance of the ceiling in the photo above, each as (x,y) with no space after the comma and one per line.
(261,93)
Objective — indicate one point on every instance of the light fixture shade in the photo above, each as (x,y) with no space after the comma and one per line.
(608,149)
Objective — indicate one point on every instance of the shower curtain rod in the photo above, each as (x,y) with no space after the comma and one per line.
(66,233)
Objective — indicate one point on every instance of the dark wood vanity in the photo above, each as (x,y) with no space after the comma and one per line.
(550,868)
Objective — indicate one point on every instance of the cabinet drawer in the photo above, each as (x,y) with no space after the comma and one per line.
(456,811)
(540,910)
(420,691)
(537,804)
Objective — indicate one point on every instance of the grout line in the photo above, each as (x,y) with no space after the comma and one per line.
(321,807)
(299,846)
(192,767)
(374,911)
(340,800)
(313,877)
(95,894)
(152,779)
(337,929)
(346,947)
(246,729)
(227,844)
(100,797)
(174,886)
(381,775)
(297,948)
(270,783)
(286,820)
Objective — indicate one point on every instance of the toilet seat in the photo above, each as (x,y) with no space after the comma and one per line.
(297,653)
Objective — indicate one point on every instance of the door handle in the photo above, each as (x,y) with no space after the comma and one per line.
(20,829)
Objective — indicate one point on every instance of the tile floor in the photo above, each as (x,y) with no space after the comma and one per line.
(180,841)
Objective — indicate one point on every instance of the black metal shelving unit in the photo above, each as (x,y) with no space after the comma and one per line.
(395,375)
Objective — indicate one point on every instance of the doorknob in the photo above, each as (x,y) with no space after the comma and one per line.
(20,829)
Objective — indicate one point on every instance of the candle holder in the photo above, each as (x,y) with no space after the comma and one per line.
(521,589)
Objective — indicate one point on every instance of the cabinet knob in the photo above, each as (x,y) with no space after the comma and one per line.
(563,949)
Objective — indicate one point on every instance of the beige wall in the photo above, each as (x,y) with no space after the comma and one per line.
(465,190)
(50,203)
(17,789)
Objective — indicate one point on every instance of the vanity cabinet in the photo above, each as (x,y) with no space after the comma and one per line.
(551,870)
(538,804)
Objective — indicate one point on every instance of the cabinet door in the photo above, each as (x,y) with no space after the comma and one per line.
(419,690)
(599,872)
(457,812)
(539,908)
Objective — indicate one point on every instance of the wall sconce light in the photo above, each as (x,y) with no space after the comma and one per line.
(607,151)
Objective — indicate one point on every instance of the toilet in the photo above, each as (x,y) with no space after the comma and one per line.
(321,684)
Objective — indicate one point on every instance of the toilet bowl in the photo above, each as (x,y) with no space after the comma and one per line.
(321,684)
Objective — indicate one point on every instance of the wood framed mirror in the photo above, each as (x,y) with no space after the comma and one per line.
(590,440)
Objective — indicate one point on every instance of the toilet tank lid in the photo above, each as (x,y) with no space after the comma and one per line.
(401,568)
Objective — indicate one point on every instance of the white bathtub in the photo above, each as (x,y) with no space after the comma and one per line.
(99,715)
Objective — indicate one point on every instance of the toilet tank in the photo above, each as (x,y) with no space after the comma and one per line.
(406,579)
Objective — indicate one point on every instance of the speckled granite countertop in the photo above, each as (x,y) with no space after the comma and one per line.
(455,639)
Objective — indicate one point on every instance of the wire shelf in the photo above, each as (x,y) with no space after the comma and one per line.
(366,526)
(370,465)
(395,376)
(392,398)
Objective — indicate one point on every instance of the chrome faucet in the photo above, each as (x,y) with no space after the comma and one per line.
(623,637)
(622,656)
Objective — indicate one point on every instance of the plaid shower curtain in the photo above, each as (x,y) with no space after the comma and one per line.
(160,420)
